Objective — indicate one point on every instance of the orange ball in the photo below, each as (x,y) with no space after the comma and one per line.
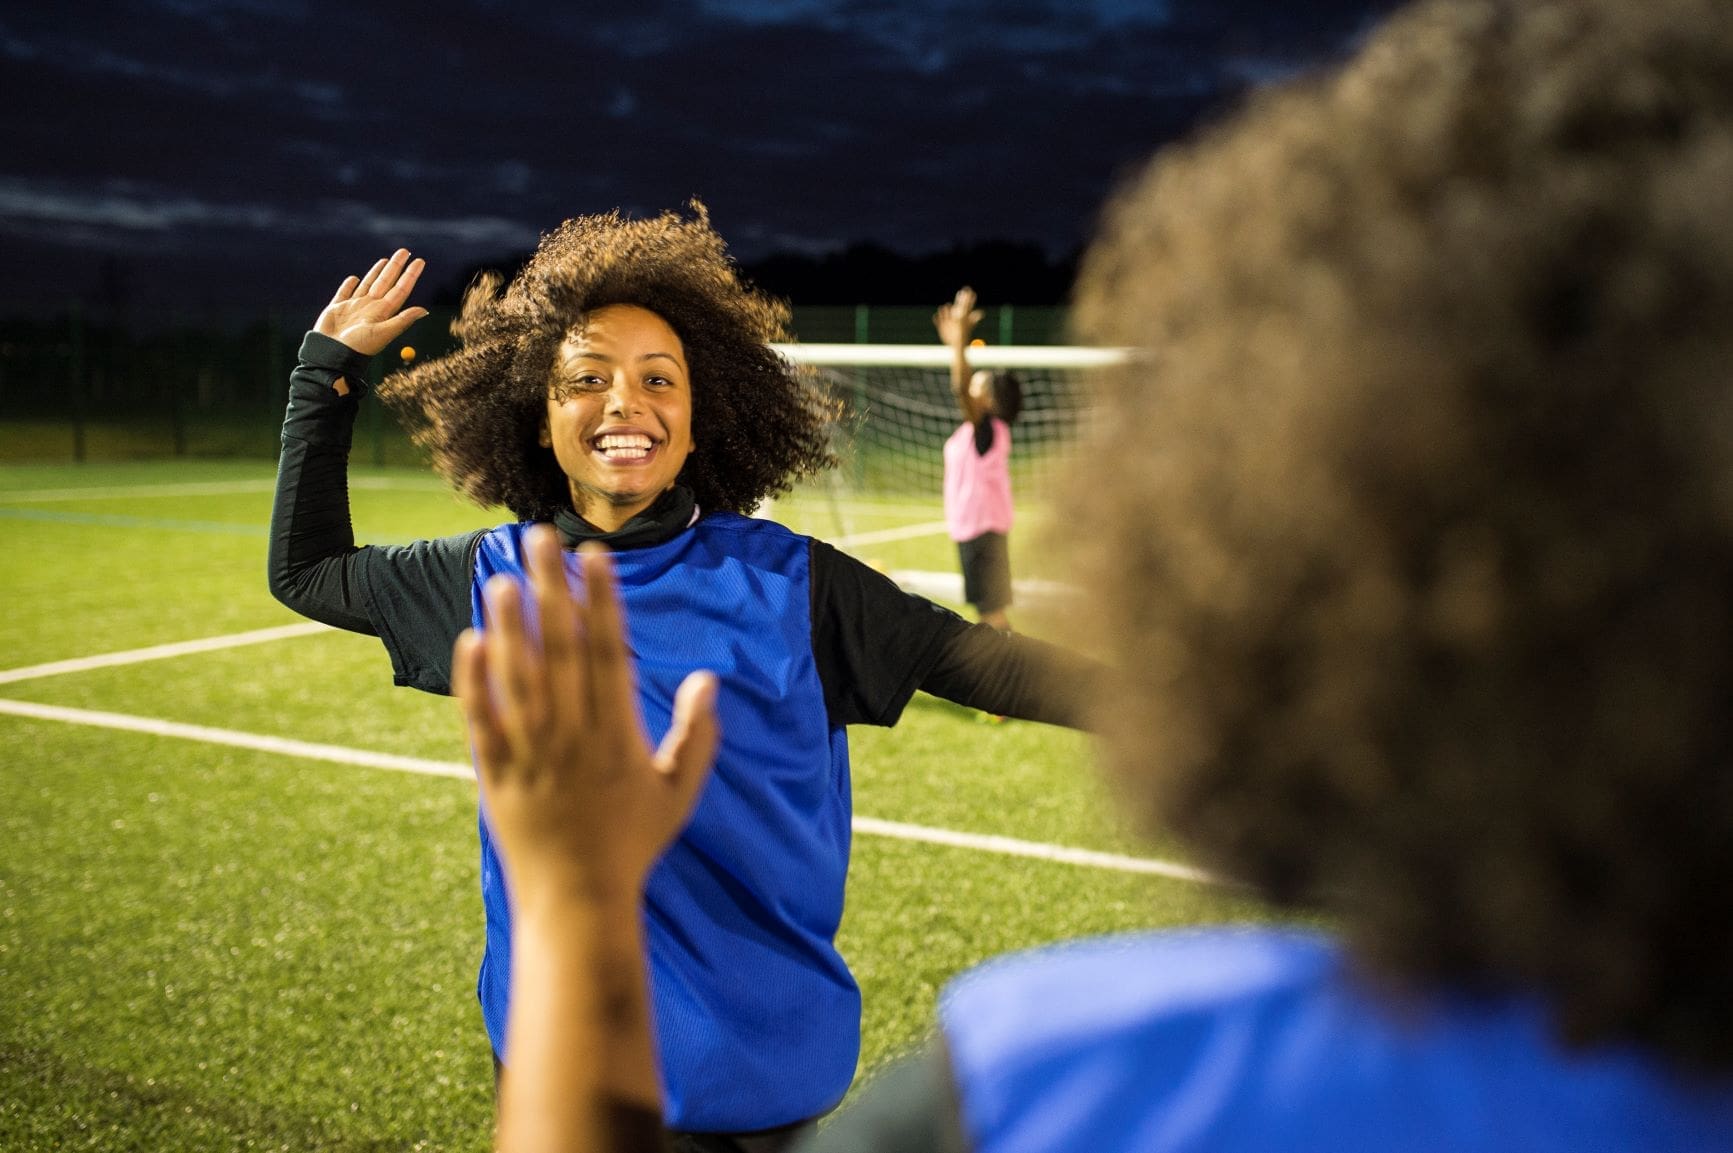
(407,353)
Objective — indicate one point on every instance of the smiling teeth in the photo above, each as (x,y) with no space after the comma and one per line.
(624,446)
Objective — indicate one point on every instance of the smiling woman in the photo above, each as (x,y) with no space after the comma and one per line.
(619,413)
(483,410)
(623,387)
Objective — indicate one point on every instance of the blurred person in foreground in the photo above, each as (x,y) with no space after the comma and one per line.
(1412,537)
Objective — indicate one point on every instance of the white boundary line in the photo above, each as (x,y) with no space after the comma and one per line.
(880,536)
(161,652)
(204,488)
(338,754)
(121,492)
(335,754)
(948,586)
(1012,847)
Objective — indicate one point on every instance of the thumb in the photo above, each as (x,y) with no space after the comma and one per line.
(685,754)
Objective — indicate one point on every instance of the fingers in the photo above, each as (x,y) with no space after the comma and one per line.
(396,288)
(613,692)
(366,284)
(382,278)
(510,662)
(399,324)
(469,682)
(689,748)
(386,274)
(345,290)
(561,616)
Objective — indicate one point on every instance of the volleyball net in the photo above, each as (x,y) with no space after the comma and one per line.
(898,409)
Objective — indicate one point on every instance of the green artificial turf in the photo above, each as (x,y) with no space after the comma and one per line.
(204,947)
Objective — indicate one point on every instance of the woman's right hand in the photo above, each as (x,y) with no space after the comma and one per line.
(367,313)
(579,803)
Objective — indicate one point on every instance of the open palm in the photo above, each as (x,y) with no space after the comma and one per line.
(367,313)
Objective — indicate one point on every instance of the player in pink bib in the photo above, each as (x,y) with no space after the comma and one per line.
(978,508)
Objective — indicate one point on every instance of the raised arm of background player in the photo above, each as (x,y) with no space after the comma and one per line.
(956,323)
(581,809)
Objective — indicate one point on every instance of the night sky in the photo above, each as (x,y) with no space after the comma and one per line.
(228,154)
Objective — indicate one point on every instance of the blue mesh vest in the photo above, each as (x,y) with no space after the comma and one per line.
(1252,1040)
(757,1017)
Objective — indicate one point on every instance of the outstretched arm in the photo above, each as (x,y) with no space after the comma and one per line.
(876,644)
(581,809)
(956,320)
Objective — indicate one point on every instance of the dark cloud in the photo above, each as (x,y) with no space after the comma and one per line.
(276,144)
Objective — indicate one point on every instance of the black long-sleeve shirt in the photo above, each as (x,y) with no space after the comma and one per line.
(873,644)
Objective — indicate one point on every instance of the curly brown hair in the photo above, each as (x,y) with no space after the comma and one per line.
(759,423)
(1413,525)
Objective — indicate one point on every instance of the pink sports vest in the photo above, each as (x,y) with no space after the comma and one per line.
(978,488)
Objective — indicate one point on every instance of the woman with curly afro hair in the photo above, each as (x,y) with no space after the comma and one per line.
(623,387)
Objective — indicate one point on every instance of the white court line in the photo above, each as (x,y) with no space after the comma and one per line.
(1012,847)
(948,586)
(402,484)
(161,652)
(880,536)
(201,488)
(338,754)
(120,492)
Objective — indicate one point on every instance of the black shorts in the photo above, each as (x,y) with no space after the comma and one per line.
(986,571)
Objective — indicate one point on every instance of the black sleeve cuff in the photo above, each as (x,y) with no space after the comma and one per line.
(323,354)
(317,413)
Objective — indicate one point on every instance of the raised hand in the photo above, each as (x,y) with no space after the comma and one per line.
(956,319)
(367,313)
(575,796)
